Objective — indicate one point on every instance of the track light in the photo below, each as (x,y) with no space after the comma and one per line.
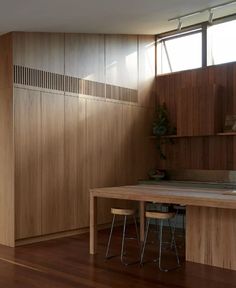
(179,24)
(211,15)
(210,11)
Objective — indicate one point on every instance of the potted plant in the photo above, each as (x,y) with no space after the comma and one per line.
(162,127)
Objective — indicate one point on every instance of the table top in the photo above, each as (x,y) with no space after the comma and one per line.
(164,193)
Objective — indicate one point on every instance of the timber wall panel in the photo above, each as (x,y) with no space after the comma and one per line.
(121,57)
(55,208)
(210,152)
(95,119)
(146,70)
(42,51)
(28,162)
(7,217)
(211,234)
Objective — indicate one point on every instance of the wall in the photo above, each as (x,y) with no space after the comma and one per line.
(83,110)
(210,152)
(6,143)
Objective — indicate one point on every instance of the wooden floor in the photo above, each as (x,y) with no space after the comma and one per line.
(66,263)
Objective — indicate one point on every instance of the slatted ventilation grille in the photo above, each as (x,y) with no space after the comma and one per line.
(37,78)
(53,81)
(121,94)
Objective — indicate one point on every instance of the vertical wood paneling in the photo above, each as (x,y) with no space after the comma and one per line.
(82,161)
(42,51)
(199,111)
(7,221)
(76,185)
(121,60)
(56,208)
(84,56)
(71,155)
(210,236)
(146,70)
(27,126)
(102,165)
(85,143)
(214,152)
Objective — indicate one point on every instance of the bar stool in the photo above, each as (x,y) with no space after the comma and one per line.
(125,213)
(161,216)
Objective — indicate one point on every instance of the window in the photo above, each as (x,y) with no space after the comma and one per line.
(221,43)
(185,50)
(179,53)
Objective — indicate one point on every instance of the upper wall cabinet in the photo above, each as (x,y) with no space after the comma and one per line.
(42,51)
(84,56)
(146,70)
(122,60)
(198,110)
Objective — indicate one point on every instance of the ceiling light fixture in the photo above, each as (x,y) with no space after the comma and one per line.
(211,15)
(179,24)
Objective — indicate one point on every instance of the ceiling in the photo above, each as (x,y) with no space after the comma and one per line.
(102,16)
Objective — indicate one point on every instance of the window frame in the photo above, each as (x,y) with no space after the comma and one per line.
(196,28)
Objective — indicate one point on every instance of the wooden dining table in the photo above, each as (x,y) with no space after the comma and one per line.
(210,218)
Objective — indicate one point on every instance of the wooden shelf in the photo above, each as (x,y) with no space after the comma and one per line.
(178,136)
(226,134)
(167,136)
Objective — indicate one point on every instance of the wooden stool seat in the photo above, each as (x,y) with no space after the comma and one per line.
(123,212)
(159,215)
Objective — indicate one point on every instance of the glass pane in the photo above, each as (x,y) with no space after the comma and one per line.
(221,40)
(179,54)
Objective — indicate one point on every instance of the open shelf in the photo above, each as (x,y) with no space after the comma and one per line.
(178,136)
(227,134)
(166,136)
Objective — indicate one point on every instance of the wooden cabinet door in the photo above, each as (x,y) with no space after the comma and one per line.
(199,111)
(27,133)
(56,208)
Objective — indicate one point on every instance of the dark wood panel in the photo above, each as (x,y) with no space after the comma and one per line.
(211,152)
(199,110)
(28,169)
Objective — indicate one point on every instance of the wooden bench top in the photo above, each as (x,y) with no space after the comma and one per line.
(193,196)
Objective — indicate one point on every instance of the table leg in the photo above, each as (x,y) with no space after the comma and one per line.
(93,225)
(142,219)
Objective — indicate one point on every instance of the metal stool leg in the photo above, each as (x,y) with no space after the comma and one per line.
(160,246)
(137,233)
(123,241)
(174,228)
(175,246)
(145,241)
(110,236)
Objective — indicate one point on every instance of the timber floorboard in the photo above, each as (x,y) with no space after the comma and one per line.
(65,263)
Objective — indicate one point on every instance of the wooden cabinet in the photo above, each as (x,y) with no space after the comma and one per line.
(28,164)
(199,110)
(55,206)
(67,125)
(76,164)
